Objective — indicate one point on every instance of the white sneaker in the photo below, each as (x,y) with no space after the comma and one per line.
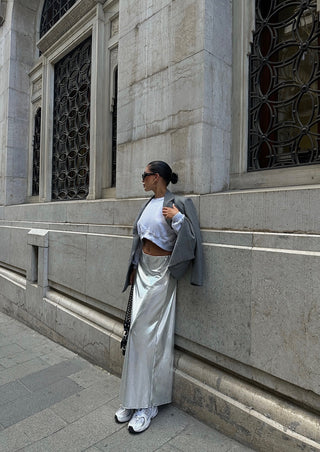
(123,414)
(141,419)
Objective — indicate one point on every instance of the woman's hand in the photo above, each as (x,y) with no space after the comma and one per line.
(132,276)
(170,212)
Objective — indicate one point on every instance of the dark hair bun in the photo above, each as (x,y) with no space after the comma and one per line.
(174,178)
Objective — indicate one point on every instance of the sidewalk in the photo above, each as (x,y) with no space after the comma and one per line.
(53,400)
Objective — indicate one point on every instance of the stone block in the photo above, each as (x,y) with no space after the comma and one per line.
(67,260)
(49,314)
(34,301)
(46,377)
(173,148)
(38,237)
(216,97)
(176,101)
(271,210)
(24,15)
(115,361)
(15,190)
(38,426)
(133,13)
(187,25)
(187,90)
(37,401)
(19,108)
(17,151)
(13,289)
(13,247)
(149,37)
(12,391)
(86,401)
(97,212)
(83,433)
(25,46)
(285,312)
(106,268)
(217,315)
(126,210)
(218,29)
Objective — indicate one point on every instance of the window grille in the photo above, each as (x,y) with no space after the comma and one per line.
(71,125)
(114,130)
(52,11)
(284,85)
(36,153)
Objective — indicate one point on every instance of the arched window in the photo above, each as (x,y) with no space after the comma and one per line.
(52,11)
(284,85)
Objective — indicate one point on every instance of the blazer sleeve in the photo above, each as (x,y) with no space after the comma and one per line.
(188,246)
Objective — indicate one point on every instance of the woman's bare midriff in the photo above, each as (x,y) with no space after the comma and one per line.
(149,247)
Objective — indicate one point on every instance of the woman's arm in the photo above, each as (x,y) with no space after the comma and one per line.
(175,215)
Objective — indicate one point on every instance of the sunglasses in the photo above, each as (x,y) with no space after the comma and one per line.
(144,175)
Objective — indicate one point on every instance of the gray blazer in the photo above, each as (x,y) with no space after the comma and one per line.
(188,246)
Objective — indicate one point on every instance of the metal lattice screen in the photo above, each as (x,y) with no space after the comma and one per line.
(284,85)
(52,11)
(36,153)
(114,130)
(71,125)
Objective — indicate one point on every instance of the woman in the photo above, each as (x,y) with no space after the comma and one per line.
(166,239)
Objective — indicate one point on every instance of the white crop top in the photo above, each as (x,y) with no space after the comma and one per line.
(152,225)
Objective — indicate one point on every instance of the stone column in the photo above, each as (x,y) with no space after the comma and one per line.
(174,67)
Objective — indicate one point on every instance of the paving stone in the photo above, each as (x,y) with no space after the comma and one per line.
(85,401)
(12,391)
(79,435)
(47,376)
(170,448)
(17,358)
(92,375)
(198,436)
(20,409)
(21,370)
(10,349)
(93,449)
(30,430)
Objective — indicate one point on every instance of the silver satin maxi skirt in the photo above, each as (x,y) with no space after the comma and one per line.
(148,366)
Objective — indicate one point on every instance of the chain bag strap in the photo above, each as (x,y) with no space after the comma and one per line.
(126,323)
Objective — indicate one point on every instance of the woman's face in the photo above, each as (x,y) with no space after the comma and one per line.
(149,181)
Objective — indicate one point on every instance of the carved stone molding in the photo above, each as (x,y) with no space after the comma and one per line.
(70,18)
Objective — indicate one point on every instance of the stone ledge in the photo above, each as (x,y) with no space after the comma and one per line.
(241,410)
(38,237)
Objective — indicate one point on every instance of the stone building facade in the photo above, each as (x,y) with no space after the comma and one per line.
(91,91)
